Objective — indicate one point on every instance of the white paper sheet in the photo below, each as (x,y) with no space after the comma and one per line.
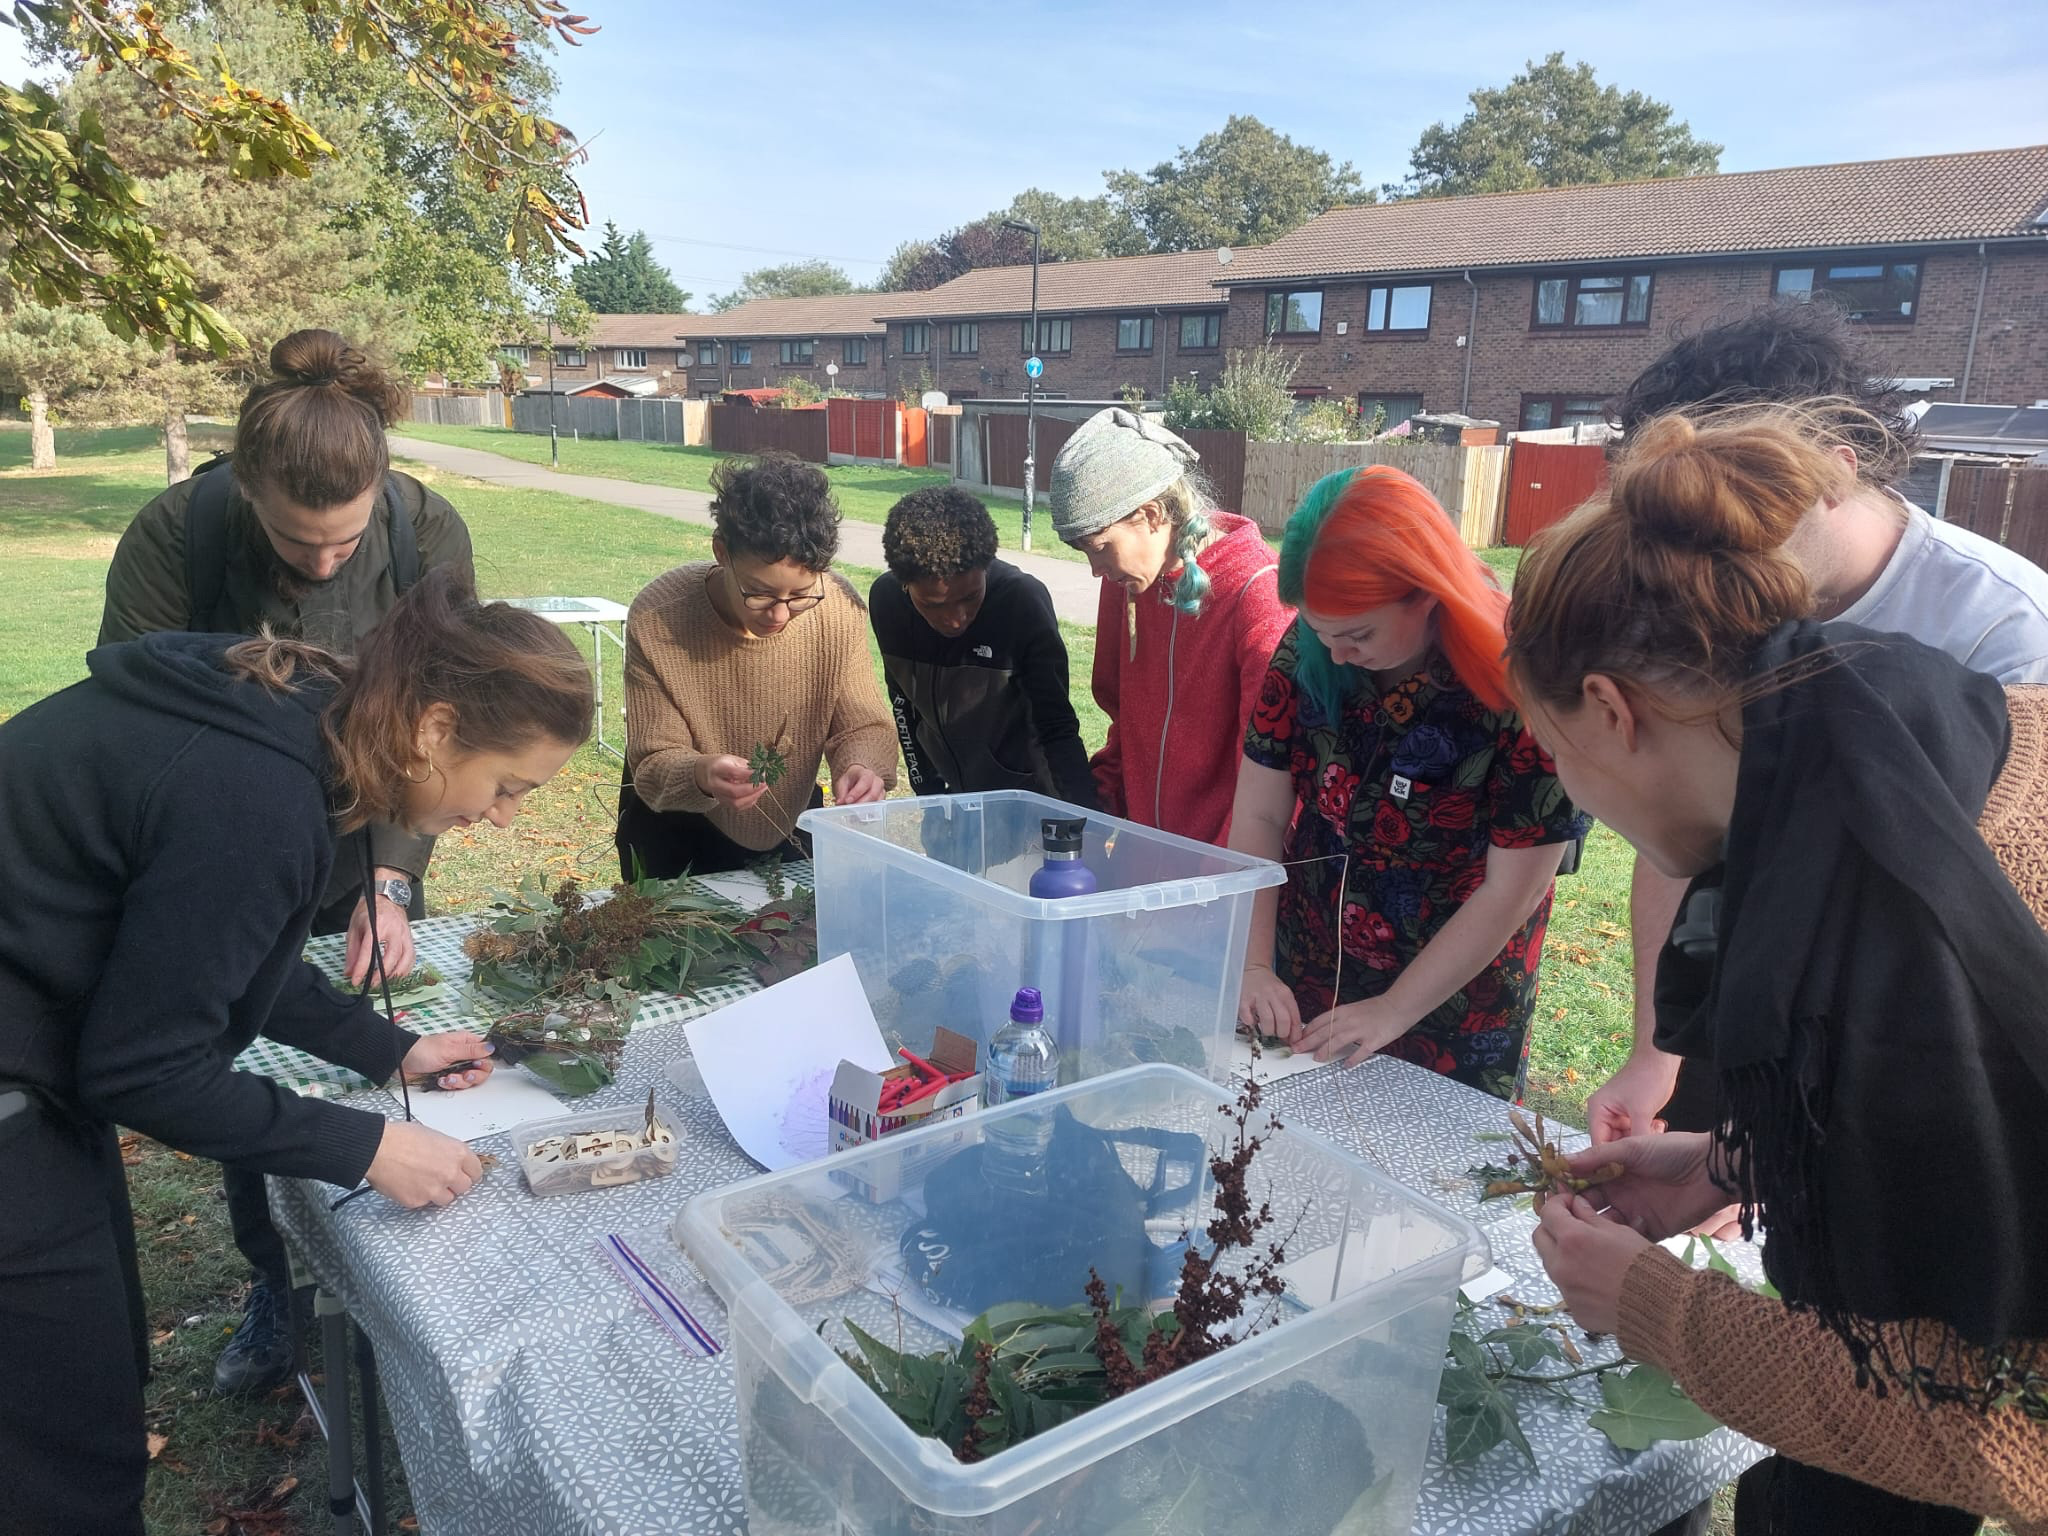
(767,1060)
(506,1098)
(1272,1065)
(742,887)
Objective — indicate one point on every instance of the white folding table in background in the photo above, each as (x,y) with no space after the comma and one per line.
(605,619)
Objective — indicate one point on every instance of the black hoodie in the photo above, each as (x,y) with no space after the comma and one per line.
(164,842)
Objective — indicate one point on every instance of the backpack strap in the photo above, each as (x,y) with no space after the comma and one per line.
(206,548)
(405,541)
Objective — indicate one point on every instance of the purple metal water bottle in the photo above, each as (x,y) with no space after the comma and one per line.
(1069,973)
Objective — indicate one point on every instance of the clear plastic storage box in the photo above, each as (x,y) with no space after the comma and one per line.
(1316,1425)
(932,899)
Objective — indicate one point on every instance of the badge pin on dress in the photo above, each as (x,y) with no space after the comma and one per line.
(1402,786)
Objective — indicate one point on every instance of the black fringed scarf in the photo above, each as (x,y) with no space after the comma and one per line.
(1875,1007)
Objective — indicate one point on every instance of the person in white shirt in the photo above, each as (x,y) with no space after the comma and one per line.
(1874,560)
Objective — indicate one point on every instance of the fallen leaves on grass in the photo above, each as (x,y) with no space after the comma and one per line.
(157,1443)
(262,1513)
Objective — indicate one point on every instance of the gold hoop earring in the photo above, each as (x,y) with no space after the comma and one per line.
(425,776)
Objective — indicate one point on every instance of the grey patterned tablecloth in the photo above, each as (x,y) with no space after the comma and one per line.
(532,1393)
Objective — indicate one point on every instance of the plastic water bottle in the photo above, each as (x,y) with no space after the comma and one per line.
(1066,950)
(1023,1059)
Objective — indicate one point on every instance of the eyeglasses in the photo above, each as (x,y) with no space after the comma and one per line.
(768,602)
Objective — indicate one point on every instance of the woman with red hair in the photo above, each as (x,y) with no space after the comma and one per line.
(1386,765)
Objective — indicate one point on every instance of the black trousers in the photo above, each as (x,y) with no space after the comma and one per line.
(1777,1497)
(256,1235)
(660,845)
(73,1332)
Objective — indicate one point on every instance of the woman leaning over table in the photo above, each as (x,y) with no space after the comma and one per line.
(168,830)
(761,653)
(1860,960)
(1385,764)
(1188,618)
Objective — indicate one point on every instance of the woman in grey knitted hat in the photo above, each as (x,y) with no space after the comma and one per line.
(1188,618)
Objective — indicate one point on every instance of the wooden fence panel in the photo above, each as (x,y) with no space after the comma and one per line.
(485,410)
(939,427)
(1277,475)
(1003,449)
(746,429)
(1546,481)
(2006,503)
(1222,462)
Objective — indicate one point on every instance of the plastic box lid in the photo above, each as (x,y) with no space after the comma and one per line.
(1163,870)
(1396,1250)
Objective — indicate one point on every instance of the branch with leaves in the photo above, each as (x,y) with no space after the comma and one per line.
(79,230)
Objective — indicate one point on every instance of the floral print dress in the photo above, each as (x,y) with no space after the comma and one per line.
(1415,784)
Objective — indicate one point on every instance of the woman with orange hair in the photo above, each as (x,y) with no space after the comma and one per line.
(1385,763)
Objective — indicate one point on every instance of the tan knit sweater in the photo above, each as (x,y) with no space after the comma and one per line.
(1785,1379)
(696,687)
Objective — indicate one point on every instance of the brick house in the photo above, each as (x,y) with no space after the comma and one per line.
(764,342)
(637,354)
(1535,308)
(1103,325)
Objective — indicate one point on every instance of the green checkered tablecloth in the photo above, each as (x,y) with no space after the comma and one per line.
(439,943)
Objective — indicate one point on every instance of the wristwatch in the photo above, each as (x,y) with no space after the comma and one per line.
(398,891)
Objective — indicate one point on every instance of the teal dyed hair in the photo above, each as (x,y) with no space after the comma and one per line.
(1315,674)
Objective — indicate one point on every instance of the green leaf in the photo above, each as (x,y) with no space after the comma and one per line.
(573,1073)
(1644,1406)
(1525,1347)
(1466,1352)
(1475,1426)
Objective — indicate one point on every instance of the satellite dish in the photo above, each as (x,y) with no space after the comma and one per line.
(1223,255)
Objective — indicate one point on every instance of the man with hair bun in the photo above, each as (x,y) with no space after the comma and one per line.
(307,530)
(972,653)
(1872,559)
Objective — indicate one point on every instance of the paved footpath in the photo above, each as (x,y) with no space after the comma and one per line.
(1073,590)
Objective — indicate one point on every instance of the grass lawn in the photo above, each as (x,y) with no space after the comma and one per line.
(57,532)
(865,492)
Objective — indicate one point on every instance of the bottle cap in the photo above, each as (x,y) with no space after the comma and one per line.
(1062,834)
(1028,1007)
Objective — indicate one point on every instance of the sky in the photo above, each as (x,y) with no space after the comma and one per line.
(745,135)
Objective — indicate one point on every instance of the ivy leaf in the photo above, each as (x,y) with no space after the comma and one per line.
(1644,1406)
(766,765)
(1478,1424)
(573,1073)
(1525,1347)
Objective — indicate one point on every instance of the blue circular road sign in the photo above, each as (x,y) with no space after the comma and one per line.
(1034,366)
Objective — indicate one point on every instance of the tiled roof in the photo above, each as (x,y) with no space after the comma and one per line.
(835,314)
(1183,280)
(636,330)
(1987,195)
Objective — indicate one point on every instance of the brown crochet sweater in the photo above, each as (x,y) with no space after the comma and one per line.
(1782,1377)
(696,687)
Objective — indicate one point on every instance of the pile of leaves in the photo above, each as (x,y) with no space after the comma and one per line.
(1022,1368)
(561,974)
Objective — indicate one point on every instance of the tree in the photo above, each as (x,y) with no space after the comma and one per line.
(1553,125)
(1074,228)
(78,229)
(268,257)
(906,264)
(623,278)
(50,358)
(795,280)
(1242,185)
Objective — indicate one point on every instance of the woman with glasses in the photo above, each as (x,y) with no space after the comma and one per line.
(742,676)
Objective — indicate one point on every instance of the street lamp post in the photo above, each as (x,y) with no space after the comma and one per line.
(1030,385)
(554,443)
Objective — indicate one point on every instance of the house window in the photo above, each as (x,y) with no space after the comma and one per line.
(1397,307)
(1299,313)
(707,354)
(1053,336)
(1592,299)
(632,358)
(854,351)
(569,357)
(1877,292)
(1541,412)
(1376,413)
(798,354)
(520,355)
(916,339)
(1134,333)
(740,353)
(965,338)
(1200,333)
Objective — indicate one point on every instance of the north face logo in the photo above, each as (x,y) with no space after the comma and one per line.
(985,653)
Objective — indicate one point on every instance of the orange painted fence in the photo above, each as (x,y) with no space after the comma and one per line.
(1546,481)
(874,432)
